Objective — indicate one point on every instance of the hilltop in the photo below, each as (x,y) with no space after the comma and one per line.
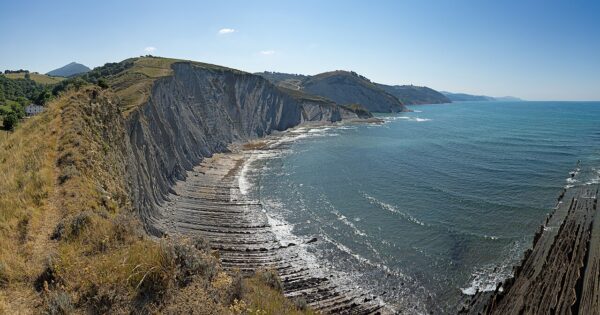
(69,70)
(36,77)
(342,87)
(406,94)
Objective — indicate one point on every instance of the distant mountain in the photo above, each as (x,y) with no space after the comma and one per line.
(462,97)
(69,70)
(342,87)
(415,95)
(508,99)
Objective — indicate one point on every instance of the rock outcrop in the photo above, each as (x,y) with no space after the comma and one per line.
(561,273)
(199,111)
(342,87)
(181,186)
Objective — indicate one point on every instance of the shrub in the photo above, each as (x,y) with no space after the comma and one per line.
(59,303)
(59,231)
(201,243)
(300,303)
(48,278)
(191,262)
(3,275)
(236,289)
(79,223)
(10,121)
(271,278)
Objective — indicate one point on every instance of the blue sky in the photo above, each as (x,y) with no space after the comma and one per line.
(538,50)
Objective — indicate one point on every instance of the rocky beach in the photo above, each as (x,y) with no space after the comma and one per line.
(213,202)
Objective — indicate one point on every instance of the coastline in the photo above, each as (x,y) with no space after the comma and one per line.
(560,272)
(216,201)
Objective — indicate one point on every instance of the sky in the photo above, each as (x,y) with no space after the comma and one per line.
(536,50)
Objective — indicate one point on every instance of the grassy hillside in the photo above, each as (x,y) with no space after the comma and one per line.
(287,80)
(69,239)
(38,78)
(412,95)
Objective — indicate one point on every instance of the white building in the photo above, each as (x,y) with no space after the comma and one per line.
(33,109)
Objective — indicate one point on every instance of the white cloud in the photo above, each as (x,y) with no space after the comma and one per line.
(267,52)
(225,31)
(150,49)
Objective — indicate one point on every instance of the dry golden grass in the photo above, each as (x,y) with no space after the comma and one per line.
(260,298)
(134,86)
(69,239)
(39,78)
(27,175)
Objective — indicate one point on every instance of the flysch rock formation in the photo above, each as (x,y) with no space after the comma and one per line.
(211,204)
(181,185)
(561,273)
(197,112)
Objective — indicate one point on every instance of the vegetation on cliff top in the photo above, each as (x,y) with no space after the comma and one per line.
(69,240)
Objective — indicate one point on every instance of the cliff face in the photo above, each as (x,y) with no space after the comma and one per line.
(197,112)
(560,274)
(348,88)
(415,95)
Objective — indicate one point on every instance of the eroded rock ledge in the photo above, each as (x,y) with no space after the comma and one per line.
(209,203)
(182,183)
(561,273)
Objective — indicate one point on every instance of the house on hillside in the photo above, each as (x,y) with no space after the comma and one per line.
(33,109)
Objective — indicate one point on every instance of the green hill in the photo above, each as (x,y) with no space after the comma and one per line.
(38,78)
(414,95)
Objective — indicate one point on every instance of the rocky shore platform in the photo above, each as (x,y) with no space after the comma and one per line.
(210,203)
(561,273)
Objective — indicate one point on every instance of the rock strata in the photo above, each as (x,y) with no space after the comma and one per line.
(211,203)
(561,273)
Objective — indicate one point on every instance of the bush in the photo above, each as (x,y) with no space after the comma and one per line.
(102,83)
(271,278)
(201,244)
(74,228)
(3,275)
(59,303)
(48,278)
(236,289)
(191,262)
(79,223)
(300,303)
(10,121)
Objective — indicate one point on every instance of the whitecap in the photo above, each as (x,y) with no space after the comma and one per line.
(390,208)
(487,277)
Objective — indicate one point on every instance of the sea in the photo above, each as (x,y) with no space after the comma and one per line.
(429,206)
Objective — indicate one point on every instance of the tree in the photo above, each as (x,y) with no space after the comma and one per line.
(27,76)
(43,97)
(10,121)
(102,83)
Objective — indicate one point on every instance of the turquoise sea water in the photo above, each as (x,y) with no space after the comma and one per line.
(430,205)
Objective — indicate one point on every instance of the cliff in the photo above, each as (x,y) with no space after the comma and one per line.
(199,111)
(415,95)
(561,273)
(341,87)
(84,181)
